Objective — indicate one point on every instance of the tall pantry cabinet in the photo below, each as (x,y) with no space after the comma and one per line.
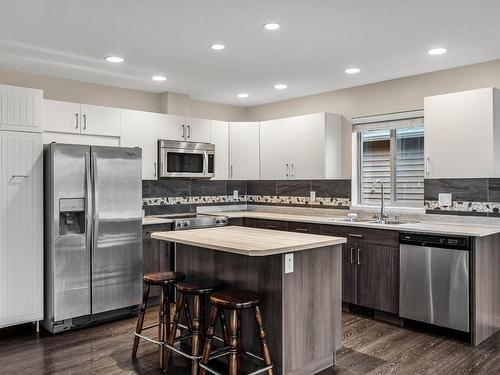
(21,206)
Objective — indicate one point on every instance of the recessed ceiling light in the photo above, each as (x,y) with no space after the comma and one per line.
(243,95)
(159,78)
(218,46)
(352,70)
(437,51)
(114,59)
(280,86)
(272,26)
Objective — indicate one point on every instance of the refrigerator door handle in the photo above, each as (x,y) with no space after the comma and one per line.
(89,203)
(95,207)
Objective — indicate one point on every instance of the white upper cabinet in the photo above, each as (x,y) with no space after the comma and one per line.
(97,120)
(75,118)
(180,128)
(20,109)
(219,136)
(302,147)
(139,129)
(171,127)
(198,130)
(244,150)
(462,134)
(275,149)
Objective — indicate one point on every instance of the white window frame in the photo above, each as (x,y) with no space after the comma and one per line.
(365,123)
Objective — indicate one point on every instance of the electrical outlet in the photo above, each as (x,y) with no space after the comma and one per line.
(312,196)
(289,263)
(444,199)
(235,193)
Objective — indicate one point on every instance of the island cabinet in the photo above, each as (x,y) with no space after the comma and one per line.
(370,266)
(157,255)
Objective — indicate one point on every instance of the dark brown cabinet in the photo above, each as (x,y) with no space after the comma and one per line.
(370,267)
(303,227)
(157,255)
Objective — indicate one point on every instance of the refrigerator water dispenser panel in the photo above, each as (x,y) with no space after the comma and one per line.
(71,216)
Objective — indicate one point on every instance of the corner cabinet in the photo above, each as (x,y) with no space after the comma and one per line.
(462,134)
(140,129)
(302,147)
(20,109)
(244,151)
(21,228)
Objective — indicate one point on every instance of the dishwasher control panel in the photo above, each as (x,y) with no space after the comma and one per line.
(431,240)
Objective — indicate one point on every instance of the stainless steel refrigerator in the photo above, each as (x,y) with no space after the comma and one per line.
(93,234)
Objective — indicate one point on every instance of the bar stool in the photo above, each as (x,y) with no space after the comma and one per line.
(164,280)
(235,302)
(195,324)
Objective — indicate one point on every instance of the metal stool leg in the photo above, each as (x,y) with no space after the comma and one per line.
(140,319)
(262,337)
(209,337)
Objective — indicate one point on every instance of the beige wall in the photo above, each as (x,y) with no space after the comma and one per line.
(384,97)
(91,93)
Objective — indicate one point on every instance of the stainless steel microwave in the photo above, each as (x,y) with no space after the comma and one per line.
(185,159)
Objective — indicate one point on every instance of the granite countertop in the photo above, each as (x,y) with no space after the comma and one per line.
(248,241)
(420,227)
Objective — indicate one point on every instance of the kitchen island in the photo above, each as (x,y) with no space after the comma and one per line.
(301,308)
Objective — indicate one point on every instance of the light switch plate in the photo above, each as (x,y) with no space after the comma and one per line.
(235,193)
(444,199)
(289,263)
(312,196)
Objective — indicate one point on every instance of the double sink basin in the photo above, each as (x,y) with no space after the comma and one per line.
(373,221)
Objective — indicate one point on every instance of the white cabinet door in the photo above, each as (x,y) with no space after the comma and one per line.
(307,146)
(198,130)
(275,149)
(244,150)
(219,136)
(63,117)
(171,127)
(97,120)
(21,226)
(459,139)
(20,109)
(139,129)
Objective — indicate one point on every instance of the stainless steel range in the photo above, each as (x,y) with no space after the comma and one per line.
(195,221)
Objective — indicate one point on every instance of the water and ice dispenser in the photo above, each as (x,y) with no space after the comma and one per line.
(71,216)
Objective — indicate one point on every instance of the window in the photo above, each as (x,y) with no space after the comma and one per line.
(392,151)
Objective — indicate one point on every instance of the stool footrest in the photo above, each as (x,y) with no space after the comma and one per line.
(225,351)
(148,339)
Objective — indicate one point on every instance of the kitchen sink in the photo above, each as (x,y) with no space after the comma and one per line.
(373,221)
(353,220)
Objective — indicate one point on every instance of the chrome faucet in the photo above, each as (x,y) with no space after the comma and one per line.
(383,215)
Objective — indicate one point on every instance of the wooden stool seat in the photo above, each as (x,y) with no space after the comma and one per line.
(235,300)
(198,287)
(163,278)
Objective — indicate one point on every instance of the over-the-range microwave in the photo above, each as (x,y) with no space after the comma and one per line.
(185,159)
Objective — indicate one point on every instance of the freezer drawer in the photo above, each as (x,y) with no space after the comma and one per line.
(434,286)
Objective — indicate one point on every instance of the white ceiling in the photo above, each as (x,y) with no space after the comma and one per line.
(317,41)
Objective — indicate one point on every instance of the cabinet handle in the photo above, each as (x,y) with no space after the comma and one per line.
(352,255)
(303,230)
(293,171)
(84,121)
(76,121)
(183,131)
(154,165)
(286,169)
(427,172)
(189,131)
(359,256)
(355,235)
(272,227)
(231,171)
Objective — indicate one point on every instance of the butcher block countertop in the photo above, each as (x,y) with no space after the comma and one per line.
(248,241)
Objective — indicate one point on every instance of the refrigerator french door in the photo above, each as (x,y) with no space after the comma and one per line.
(93,233)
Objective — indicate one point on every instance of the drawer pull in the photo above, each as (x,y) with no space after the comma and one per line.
(352,255)
(303,230)
(359,256)
(355,235)
(272,227)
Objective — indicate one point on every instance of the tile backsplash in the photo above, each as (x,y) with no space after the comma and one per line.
(184,195)
(470,196)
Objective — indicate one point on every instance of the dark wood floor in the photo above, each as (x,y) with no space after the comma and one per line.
(369,347)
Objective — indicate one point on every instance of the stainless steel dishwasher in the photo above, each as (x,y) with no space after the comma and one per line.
(434,279)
